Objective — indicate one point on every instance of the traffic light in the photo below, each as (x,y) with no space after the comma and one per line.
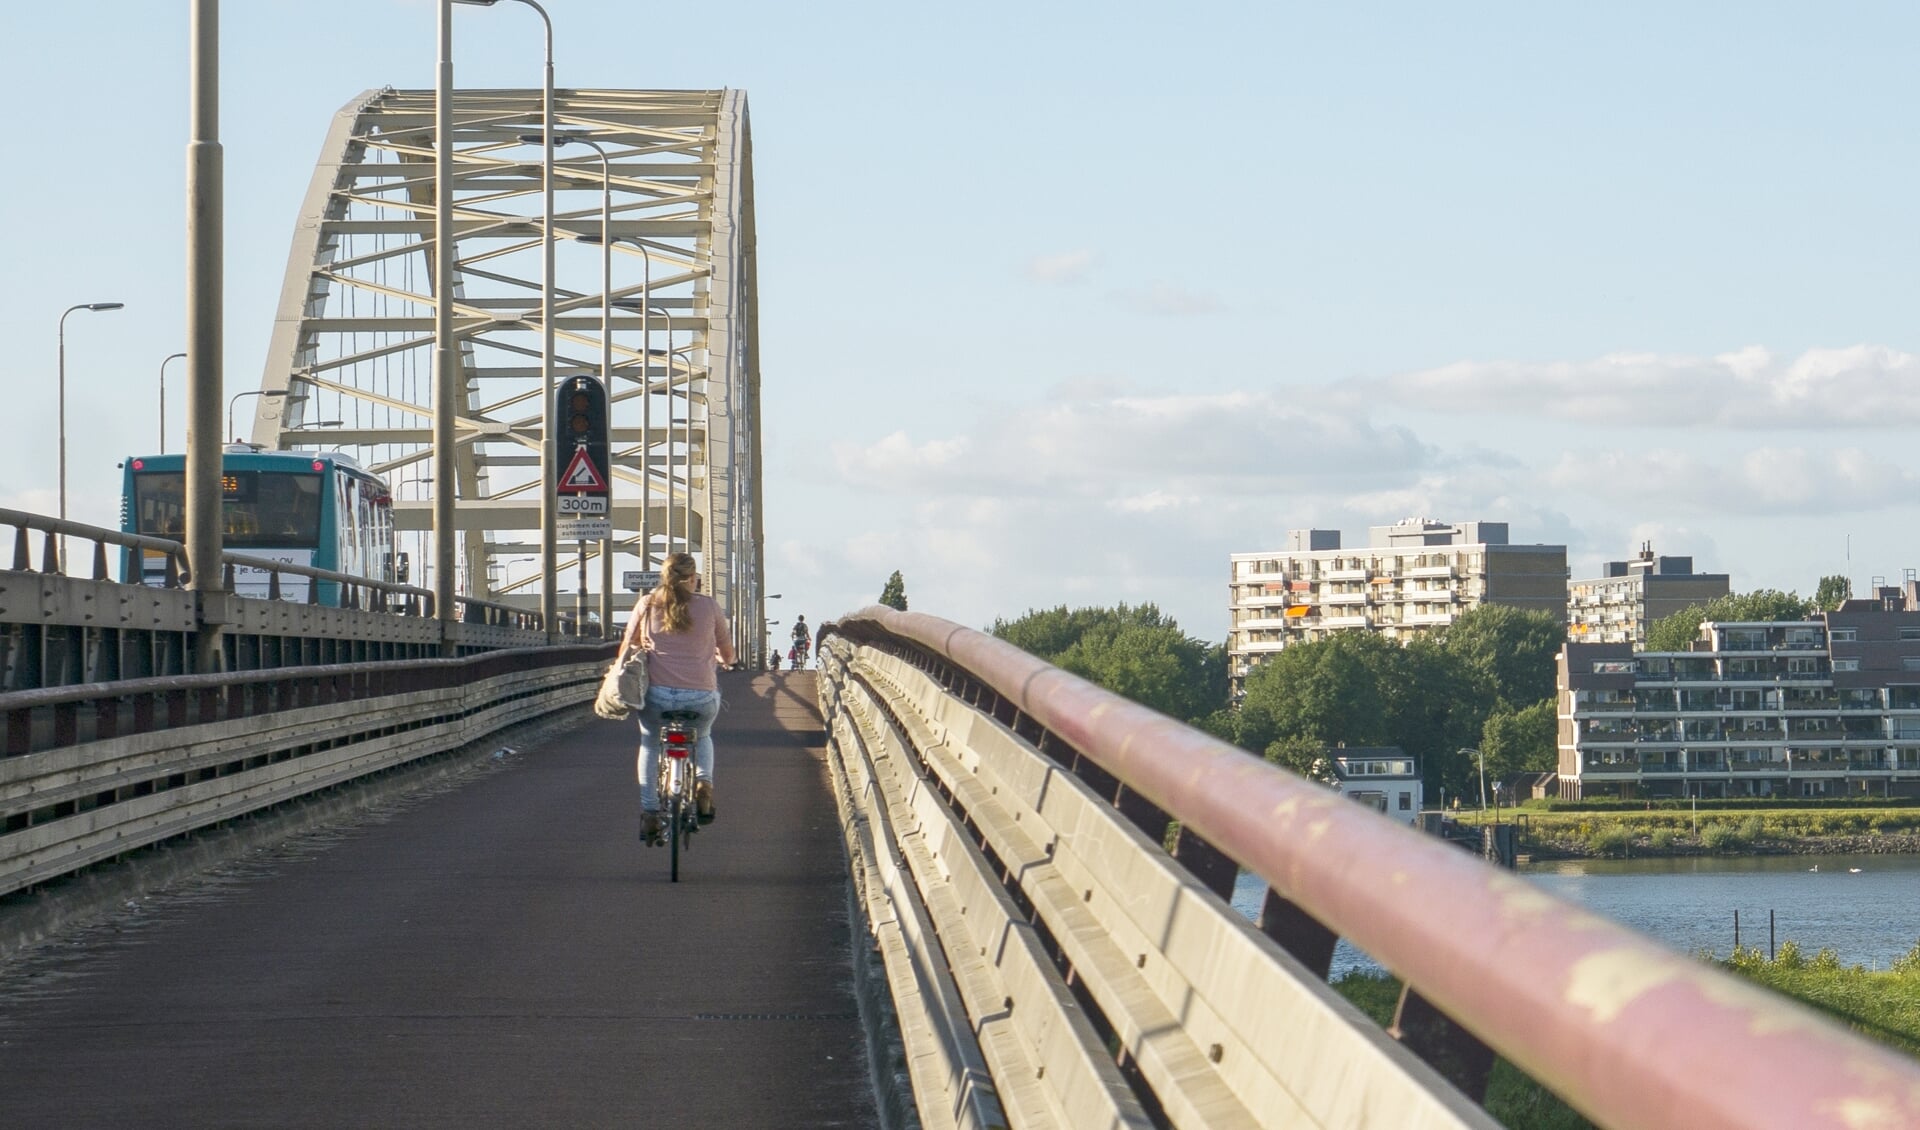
(582,456)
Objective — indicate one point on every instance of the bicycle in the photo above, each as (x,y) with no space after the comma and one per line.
(675,783)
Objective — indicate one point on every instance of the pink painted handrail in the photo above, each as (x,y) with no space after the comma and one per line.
(1627,1031)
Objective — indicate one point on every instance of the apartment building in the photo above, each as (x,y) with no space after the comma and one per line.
(1412,577)
(1821,707)
(1618,605)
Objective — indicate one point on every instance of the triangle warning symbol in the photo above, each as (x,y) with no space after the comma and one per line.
(581,474)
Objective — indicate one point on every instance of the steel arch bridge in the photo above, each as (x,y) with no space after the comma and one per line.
(350,362)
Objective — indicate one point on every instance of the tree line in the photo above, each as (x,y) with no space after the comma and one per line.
(1485,682)
(1481,688)
(1678,631)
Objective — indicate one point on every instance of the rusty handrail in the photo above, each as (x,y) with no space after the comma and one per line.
(1631,1033)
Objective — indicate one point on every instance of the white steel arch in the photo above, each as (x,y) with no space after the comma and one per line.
(350,362)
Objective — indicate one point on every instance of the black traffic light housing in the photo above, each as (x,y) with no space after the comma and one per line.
(581,422)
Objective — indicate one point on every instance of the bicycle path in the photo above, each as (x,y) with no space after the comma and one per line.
(503,953)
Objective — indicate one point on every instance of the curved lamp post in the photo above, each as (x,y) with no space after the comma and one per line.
(1483,774)
(549,514)
(606,350)
(97,307)
(163,399)
(235,399)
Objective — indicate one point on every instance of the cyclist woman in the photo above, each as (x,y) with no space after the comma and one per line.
(684,633)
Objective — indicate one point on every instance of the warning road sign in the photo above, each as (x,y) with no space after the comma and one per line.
(581,476)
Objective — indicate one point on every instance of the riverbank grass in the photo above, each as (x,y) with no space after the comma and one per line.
(1883,1006)
(1665,829)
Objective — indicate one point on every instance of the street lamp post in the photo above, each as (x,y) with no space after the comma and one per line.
(606,352)
(645,307)
(1483,774)
(686,485)
(549,589)
(62,335)
(235,399)
(163,399)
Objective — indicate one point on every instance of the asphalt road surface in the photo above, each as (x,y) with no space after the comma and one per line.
(501,952)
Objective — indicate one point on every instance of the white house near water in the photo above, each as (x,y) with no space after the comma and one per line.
(1382,777)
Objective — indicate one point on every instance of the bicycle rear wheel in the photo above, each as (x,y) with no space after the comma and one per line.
(676,820)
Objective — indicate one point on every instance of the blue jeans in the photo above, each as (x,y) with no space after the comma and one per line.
(706,704)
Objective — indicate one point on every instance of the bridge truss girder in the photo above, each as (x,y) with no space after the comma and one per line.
(350,361)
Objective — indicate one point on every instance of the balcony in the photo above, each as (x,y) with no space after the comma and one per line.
(1344,598)
(1430,571)
(1344,575)
(1350,621)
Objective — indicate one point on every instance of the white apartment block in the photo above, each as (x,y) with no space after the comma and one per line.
(1412,577)
(1617,606)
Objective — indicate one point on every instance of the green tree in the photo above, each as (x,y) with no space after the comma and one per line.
(1678,631)
(1131,650)
(1521,741)
(1510,652)
(1831,593)
(1305,756)
(894,595)
(1360,689)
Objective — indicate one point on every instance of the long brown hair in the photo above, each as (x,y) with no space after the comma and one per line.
(674,593)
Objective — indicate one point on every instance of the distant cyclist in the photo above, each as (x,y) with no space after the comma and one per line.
(802,640)
(684,633)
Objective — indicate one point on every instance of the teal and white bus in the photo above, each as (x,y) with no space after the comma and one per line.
(296,507)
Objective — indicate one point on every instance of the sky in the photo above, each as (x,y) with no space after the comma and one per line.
(1065,304)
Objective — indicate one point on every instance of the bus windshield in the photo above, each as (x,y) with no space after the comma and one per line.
(263,509)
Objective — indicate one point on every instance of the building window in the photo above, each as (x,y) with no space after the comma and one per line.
(1846,665)
(1910,663)
(1910,633)
(1846,635)
(1406,802)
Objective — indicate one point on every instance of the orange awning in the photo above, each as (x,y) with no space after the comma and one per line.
(1299,610)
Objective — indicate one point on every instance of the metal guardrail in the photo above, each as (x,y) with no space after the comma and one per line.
(94,771)
(356,592)
(960,756)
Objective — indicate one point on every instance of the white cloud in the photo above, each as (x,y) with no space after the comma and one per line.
(1107,447)
(1857,386)
(1168,301)
(1762,481)
(895,454)
(1095,491)
(1064,268)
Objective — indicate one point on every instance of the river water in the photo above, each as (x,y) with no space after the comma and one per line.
(1867,907)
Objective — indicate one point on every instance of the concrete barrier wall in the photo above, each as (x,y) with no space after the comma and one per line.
(1031,932)
(1021,814)
(237,743)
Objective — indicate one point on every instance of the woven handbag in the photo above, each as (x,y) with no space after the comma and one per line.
(623,688)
